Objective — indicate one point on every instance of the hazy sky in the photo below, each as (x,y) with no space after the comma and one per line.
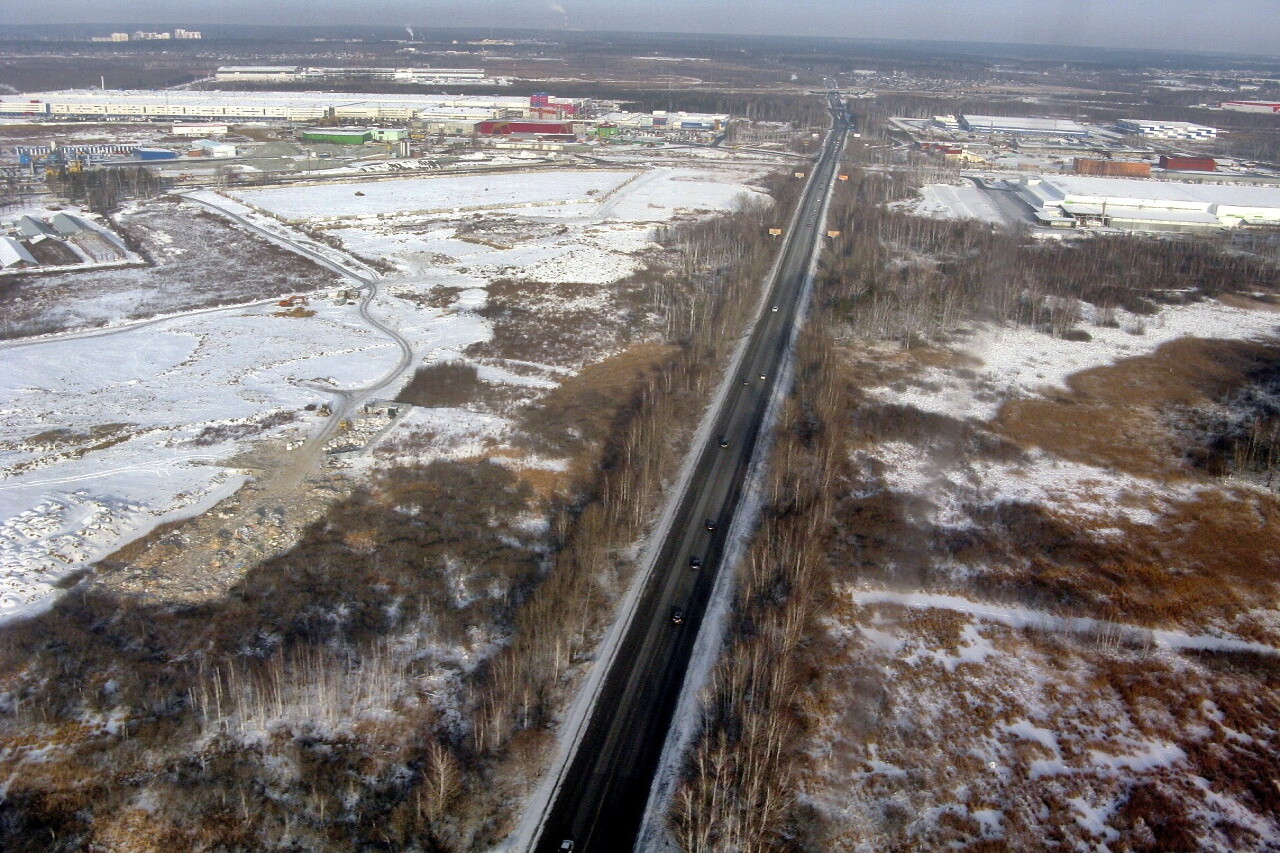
(1251,26)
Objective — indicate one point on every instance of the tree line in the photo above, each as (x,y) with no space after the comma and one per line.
(102,189)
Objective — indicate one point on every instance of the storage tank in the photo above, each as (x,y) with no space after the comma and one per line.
(1188,164)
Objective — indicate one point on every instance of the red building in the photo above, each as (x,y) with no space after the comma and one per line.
(1112,168)
(544,106)
(1271,107)
(505,127)
(1188,164)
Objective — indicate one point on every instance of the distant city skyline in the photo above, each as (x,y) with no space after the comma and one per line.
(1243,26)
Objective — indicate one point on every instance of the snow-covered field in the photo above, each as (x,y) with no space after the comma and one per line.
(985,731)
(442,194)
(1020,361)
(1016,721)
(182,243)
(104,435)
(947,201)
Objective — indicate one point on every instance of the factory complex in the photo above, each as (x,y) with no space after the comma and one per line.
(452,115)
(1019,126)
(1138,205)
(286,106)
(1268,107)
(306,74)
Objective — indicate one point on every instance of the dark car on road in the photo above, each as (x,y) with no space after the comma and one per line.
(677,616)
(695,562)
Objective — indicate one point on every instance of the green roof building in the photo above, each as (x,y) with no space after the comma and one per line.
(338,135)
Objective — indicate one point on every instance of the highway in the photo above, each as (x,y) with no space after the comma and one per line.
(601,798)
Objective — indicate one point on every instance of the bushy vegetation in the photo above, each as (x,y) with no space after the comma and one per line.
(448,383)
(308,707)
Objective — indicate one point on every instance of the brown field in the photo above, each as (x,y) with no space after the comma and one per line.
(1119,416)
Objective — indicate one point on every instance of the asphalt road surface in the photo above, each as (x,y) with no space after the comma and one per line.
(602,797)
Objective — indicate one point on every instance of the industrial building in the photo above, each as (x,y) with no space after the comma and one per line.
(1270,107)
(542,105)
(689,121)
(14,255)
(337,135)
(451,125)
(212,148)
(1166,129)
(1112,168)
(302,74)
(150,154)
(526,128)
(1188,164)
(67,225)
(1023,126)
(67,154)
(200,129)
(258,73)
(308,107)
(31,228)
(1137,205)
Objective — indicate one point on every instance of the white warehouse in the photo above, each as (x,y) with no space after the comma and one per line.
(290,106)
(1166,129)
(1140,205)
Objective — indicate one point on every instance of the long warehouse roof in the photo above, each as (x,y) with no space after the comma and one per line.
(1167,191)
(265,99)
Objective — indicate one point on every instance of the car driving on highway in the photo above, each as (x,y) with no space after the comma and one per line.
(677,616)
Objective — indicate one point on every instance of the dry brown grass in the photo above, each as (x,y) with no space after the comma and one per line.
(1117,416)
(1257,302)
(1202,558)
(580,412)
(547,323)
(547,485)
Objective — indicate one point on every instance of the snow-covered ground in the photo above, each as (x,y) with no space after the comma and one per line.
(947,201)
(1016,721)
(985,731)
(443,194)
(104,435)
(1018,361)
